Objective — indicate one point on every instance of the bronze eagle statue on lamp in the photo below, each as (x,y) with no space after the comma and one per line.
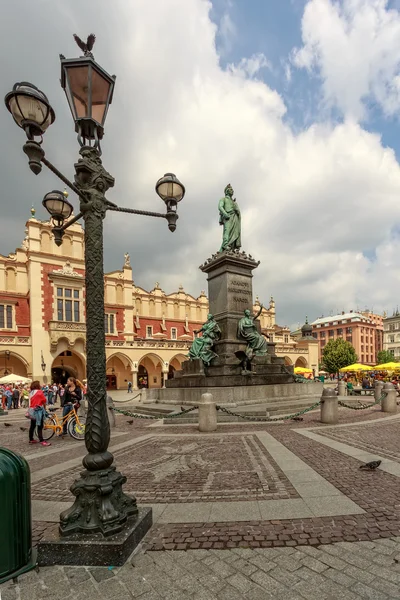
(87,46)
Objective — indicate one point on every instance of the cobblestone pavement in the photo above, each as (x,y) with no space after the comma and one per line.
(343,571)
(191,470)
(382,439)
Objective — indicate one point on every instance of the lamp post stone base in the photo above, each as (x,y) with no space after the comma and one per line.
(100,504)
(94,549)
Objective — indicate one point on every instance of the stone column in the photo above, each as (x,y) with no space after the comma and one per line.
(329,406)
(342,388)
(207,413)
(165,374)
(389,403)
(134,375)
(378,390)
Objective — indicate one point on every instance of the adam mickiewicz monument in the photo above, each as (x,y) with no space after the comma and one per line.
(229,357)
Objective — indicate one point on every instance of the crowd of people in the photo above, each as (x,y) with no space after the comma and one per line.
(36,397)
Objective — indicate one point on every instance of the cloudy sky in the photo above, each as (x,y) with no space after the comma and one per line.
(296,103)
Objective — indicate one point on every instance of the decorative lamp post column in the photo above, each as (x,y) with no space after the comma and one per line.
(100,504)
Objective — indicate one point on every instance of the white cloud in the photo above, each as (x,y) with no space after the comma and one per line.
(250,67)
(353,47)
(315,203)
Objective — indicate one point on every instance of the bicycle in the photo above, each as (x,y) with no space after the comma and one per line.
(53,425)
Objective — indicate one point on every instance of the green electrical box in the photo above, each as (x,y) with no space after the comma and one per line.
(16,554)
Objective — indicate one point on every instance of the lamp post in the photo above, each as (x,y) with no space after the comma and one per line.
(7,357)
(100,504)
(43,364)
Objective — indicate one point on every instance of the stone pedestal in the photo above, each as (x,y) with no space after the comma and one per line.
(389,403)
(207,413)
(230,293)
(342,388)
(94,549)
(329,406)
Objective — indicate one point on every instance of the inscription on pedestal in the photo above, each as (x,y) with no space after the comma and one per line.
(240,293)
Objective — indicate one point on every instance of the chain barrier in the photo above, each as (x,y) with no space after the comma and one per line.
(268,419)
(363,406)
(128,399)
(127,413)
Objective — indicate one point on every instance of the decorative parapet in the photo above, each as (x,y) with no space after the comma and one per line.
(66,330)
(15,340)
(290,350)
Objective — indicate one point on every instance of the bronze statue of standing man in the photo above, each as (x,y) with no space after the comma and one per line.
(229,218)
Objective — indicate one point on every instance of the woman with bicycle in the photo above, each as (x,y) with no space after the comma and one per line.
(37,413)
(72,395)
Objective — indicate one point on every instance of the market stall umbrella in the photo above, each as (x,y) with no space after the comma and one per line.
(356,367)
(12,378)
(301,370)
(390,366)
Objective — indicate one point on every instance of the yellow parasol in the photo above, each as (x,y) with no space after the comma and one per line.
(301,370)
(356,367)
(390,366)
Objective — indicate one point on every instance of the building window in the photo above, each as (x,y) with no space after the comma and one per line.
(149,331)
(286,338)
(331,333)
(68,304)
(323,335)
(340,332)
(6,316)
(174,333)
(109,323)
(391,339)
(349,330)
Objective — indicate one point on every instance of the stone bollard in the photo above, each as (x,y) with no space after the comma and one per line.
(378,387)
(389,403)
(110,411)
(342,388)
(207,413)
(329,406)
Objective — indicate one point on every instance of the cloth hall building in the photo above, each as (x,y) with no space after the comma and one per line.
(148,334)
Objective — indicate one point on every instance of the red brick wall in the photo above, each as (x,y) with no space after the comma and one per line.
(119,312)
(22,314)
(156,324)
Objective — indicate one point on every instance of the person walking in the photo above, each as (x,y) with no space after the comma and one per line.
(37,403)
(72,395)
(15,397)
(129,387)
(9,398)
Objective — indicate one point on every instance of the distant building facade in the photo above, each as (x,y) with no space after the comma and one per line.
(391,334)
(364,330)
(148,333)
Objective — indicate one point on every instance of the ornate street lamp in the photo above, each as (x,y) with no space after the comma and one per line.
(7,355)
(43,364)
(100,504)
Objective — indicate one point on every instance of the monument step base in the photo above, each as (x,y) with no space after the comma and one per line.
(94,549)
(190,381)
(236,370)
(238,395)
(280,408)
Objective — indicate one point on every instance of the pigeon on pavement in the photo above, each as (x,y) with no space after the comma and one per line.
(371,466)
(130,422)
(7,425)
(23,428)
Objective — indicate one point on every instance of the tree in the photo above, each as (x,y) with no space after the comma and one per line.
(384,356)
(338,354)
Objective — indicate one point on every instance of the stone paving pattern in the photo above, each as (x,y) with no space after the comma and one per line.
(170,470)
(381,439)
(343,571)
